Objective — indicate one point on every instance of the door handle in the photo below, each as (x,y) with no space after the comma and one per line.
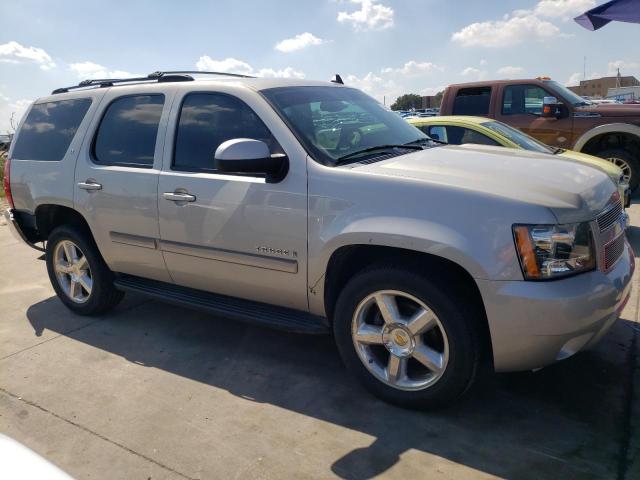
(179,197)
(89,185)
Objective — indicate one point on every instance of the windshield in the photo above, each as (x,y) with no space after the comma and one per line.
(516,136)
(575,99)
(335,122)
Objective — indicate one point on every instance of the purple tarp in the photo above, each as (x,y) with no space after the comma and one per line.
(620,10)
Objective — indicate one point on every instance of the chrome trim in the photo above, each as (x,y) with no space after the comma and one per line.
(230,256)
(134,240)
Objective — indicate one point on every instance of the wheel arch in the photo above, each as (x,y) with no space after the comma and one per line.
(49,216)
(590,140)
(347,260)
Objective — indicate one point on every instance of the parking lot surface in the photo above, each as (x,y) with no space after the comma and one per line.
(156,391)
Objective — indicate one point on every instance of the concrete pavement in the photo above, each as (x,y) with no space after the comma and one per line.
(156,391)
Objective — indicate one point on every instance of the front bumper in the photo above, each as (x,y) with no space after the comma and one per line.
(16,230)
(534,324)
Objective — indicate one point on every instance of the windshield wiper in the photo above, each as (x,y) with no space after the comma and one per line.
(557,150)
(374,149)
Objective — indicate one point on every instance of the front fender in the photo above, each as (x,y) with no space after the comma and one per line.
(607,128)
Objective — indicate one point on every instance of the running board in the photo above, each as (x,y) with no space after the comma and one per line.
(280,318)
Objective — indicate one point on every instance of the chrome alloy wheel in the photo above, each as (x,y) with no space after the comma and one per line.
(400,340)
(72,271)
(623,165)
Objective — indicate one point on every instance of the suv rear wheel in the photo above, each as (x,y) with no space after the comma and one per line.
(78,273)
(406,338)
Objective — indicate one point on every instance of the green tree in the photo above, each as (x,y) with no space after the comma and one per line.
(407,101)
(438,98)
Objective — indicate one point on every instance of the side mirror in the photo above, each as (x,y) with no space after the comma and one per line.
(244,155)
(551,107)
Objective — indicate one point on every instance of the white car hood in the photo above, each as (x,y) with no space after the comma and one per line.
(574,192)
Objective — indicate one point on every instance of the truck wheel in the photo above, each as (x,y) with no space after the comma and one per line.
(78,273)
(627,163)
(409,340)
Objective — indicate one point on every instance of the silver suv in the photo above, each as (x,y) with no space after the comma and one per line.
(309,207)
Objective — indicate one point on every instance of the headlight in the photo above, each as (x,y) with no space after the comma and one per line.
(552,251)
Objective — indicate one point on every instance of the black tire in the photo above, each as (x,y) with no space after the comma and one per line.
(104,295)
(629,158)
(456,316)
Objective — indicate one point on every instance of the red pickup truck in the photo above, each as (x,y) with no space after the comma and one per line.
(553,114)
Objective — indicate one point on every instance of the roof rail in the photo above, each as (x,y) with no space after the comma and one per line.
(160,77)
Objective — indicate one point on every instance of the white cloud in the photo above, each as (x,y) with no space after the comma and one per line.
(564,9)
(413,68)
(9,107)
(228,65)
(514,29)
(233,65)
(510,71)
(90,70)
(574,79)
(371,16)
(474,73)
(298,42)
(377,86)
(13,52)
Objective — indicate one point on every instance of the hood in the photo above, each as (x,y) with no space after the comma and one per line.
(572,191)
(611,110)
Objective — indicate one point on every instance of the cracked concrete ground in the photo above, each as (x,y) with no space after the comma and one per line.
(156,391)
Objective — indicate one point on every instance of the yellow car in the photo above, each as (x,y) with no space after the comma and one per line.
(458,130)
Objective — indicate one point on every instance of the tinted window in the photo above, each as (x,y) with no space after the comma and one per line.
(472,101)
(522,99)
(128,131)
(460,135)
(49,128)
(209,119)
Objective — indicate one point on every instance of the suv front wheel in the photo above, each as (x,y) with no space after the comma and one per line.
(410,341)
(78,274)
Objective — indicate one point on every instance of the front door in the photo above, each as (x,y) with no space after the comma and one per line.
(235,235)
(116,181)
(521,107)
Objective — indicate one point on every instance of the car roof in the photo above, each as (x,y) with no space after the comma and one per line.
(490,83)
(468,119)
(199,83)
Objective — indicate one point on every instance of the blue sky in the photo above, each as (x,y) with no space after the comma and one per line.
(386,47)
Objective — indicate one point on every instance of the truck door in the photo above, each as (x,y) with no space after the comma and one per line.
(235,235)
(116,179)
(521,107)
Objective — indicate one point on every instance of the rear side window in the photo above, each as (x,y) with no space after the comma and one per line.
(128,131)
(209,119)
(49,128)
(472,101)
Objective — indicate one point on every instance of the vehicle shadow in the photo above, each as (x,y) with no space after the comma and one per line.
(561,422)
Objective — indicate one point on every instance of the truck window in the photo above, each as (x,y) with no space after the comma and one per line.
(521,99)
(128,131)
(209,119)
(49,128)
(472,101)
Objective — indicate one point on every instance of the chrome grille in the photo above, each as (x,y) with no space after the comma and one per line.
(613,251)
(608,218)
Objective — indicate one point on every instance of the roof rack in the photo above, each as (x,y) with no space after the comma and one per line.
(159,77)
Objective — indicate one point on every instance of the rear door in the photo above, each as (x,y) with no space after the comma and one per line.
(521,107)
(233,234)
(116,179)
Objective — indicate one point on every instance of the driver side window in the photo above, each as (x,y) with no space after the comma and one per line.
(523,99)
(209,119)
